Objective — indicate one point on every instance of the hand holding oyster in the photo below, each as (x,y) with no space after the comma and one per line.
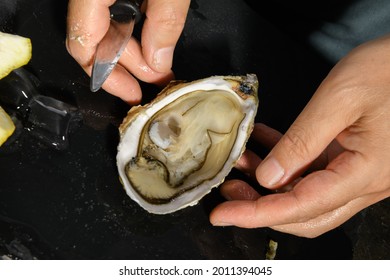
(175,149)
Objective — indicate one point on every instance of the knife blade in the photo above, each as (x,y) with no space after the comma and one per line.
(123,16)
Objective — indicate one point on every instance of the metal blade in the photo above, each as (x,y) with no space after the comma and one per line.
(109,51)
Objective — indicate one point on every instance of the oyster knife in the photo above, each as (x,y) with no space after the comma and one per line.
(124,14)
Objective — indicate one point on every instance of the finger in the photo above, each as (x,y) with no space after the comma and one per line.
(318,124)
(314,195)
(238,190)
(121,84)
(266,135)
(269,137)
(132,59)
(87,23)
(330,220)
(163,25)
(248,163)
(323,223)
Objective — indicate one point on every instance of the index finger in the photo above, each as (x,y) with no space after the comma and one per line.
(87,23)
(316,194)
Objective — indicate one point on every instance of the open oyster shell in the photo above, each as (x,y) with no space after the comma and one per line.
(175,149)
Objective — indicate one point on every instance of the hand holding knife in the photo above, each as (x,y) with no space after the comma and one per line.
(124,14)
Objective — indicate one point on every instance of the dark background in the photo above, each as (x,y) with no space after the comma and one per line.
(69,203)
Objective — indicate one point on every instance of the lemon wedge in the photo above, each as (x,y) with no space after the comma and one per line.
(7,126)
(15,51)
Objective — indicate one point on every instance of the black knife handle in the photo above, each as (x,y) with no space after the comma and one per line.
(125,10)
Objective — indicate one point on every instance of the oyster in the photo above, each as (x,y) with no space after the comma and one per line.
(175,149)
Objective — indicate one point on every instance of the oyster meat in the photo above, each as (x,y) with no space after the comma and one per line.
(175,149)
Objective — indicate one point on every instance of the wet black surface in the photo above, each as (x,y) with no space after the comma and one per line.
(69,203)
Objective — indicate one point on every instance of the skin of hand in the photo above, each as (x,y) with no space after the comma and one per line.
(340,140)
(149,61)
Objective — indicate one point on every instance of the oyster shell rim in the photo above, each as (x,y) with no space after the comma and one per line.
(176,89)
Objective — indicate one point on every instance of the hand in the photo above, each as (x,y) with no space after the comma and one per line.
(150,61)
(341,139)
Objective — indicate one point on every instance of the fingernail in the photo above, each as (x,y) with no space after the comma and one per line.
(272,172)
(162,59)
(221,224)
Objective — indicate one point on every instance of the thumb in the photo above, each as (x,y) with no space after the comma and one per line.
(323,118)
(163,25)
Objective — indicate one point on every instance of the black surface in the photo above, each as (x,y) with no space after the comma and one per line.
(69,204)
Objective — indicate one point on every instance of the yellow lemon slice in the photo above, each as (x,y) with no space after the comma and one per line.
(7,126)
(15,51)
